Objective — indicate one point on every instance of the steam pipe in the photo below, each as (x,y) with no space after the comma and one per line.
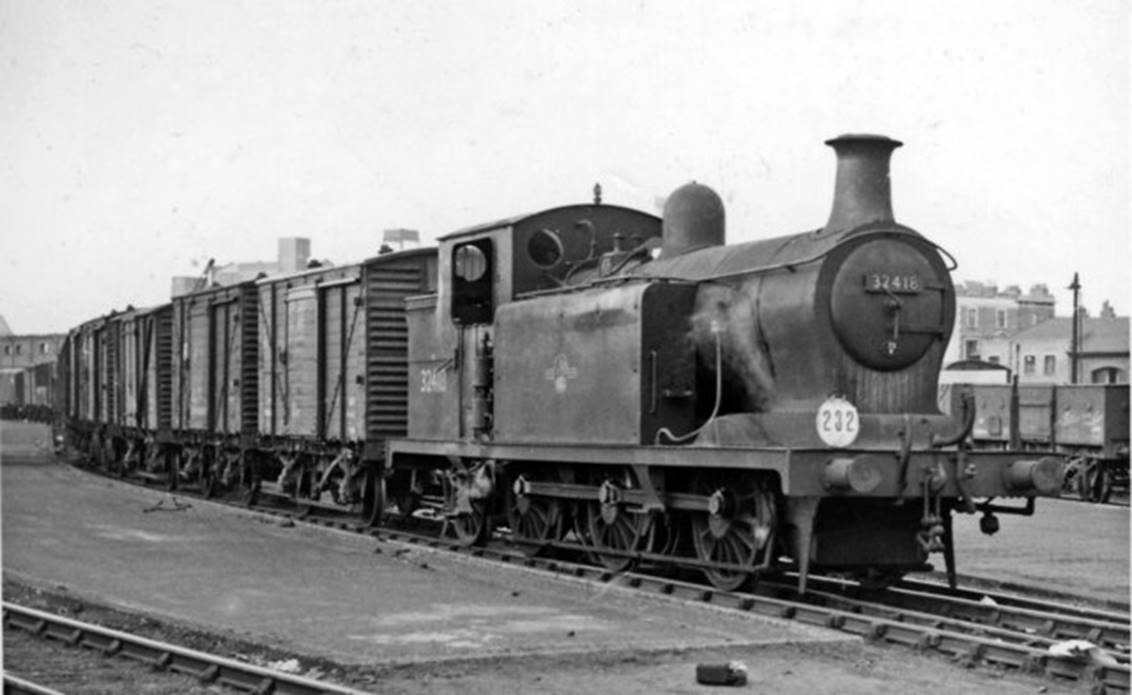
(862,192)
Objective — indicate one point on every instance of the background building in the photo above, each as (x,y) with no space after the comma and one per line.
(1043,353)
(986,317)
(294,255)
(21,351)
(1019,331)
(18,354)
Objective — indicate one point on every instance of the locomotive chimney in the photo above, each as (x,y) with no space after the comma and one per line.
(861,192)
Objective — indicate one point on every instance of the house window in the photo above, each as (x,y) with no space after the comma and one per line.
(1049,366)
(993,359)
(43,347)
(7,349)
(1000,319)
(1109,375)
(972,317)
(971,349)
(18,346)
(1029,364)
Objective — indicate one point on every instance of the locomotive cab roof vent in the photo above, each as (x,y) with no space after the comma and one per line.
(693,219)
(862,191)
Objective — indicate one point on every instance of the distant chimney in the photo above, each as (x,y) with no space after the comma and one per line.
(294,252)
(183,284)
(399,237)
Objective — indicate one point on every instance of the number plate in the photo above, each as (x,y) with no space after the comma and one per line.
(838,422)
(896,283)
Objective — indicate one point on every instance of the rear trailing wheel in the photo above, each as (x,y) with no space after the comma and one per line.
(737,529)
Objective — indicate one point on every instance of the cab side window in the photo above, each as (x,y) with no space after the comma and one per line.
(472,274)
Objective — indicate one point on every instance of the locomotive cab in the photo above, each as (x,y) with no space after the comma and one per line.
(482,270)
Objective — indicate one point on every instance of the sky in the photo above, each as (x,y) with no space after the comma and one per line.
(140,138)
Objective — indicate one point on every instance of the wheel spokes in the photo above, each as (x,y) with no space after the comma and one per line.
(533,519)
(737,531)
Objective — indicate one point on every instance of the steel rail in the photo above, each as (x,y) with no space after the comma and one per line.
(1041,619)
(1038,631)
(14,685)
(1015,600)
(208,668)
(1037,618)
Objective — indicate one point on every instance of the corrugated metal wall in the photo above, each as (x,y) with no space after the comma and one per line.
(160,370)
(388,281)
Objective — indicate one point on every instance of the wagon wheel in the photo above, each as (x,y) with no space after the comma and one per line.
(153,460)
(1093,482)
(251,482)
(133,460)
(373,496)
(101,453)
(209,476)
(610,524)
(737,529)
(172,468)
(123,461)
(302,494)
(533,519)
(110,462)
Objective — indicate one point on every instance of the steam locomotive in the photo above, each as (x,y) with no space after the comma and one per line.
(589,376)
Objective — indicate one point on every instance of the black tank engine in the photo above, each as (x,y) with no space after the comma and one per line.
(641,387)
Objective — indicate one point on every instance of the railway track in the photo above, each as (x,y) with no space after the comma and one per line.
(14,685)
(969,625)
(208,668)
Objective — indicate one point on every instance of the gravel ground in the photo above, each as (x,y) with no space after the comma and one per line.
(851,668)
(1068,546)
